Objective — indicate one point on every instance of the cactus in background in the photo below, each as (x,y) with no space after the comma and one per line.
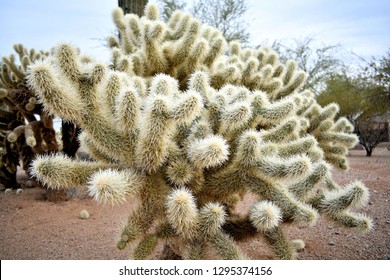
(19,125)
(27,130)
(188,125)
(9,155)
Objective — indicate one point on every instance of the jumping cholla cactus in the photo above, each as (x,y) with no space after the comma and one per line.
(24,135)
(189,125)
(25,128)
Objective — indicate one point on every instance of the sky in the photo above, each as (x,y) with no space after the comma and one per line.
(359,26)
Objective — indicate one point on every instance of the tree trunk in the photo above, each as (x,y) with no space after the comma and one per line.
(70,132)
(133,6)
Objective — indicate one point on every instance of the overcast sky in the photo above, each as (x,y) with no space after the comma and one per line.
(360,26)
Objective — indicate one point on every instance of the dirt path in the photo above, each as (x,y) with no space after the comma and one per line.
(32,228)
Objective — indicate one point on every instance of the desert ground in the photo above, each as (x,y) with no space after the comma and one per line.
(33,228)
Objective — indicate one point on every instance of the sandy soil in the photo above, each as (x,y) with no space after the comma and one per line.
(33,228)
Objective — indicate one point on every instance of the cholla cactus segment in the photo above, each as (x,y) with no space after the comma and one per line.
(283,248)
(145,248)
(298,244)
(350,219)
(211,218)
(113,186)
(351,196)
(182,213)
(208,152)
(44,82)
(227,248)
(179,172)
(59,171)
(265,215)
(303,187)
(188,126)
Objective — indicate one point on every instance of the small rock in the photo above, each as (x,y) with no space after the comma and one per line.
(84,214)
(28,184)
(331,243)
(19,191)
(9,190)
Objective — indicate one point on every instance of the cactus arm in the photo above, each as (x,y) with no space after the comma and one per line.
(56,99)
(59,171)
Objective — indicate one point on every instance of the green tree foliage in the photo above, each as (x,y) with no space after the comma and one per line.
(364,99)
(225,15)
(347,92)
(381,76)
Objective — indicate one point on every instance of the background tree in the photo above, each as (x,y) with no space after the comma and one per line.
(364,99)
(169,6)
(225,15)
(318,60)
(375,128)
(346,91)
(379,70)
(371,134)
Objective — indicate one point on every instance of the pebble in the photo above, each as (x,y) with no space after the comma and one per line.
(84,214)
(331,243)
